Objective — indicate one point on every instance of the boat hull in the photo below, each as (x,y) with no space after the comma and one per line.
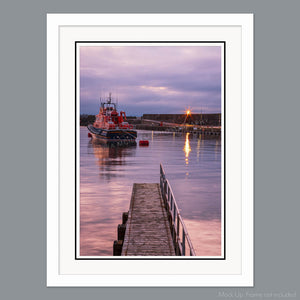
(113,137)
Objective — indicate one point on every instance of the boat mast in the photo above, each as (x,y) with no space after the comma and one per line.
(109,98)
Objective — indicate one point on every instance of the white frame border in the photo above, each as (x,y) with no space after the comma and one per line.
(54,21)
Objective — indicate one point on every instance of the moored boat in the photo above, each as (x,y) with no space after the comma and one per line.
(111,127)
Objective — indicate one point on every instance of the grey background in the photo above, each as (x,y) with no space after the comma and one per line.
(23,147)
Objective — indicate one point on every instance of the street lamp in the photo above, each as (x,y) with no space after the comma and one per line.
(188,113)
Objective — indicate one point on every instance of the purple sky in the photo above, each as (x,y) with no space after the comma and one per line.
(151,79)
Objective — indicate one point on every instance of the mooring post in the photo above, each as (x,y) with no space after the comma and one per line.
(124,217)
(121,231)
(118,244)
(117,248)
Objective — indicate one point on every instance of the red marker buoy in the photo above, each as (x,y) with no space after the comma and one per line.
(144,143)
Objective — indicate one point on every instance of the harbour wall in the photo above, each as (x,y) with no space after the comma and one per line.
(196,119)
(204,130)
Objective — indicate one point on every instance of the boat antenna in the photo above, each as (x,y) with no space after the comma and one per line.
(109,98)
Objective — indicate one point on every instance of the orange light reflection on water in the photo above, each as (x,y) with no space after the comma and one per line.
(187,149)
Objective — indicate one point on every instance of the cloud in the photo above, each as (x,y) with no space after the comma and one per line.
(157,79)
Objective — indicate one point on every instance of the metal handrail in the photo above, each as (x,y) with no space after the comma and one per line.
(175,218)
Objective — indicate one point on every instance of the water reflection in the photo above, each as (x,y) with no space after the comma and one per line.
(107,175)
(187,149)
(205,236)
(103,153)
(110,159)
(198,147)
(217,148)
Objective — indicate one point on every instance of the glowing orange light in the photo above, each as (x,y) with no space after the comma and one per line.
(188,112)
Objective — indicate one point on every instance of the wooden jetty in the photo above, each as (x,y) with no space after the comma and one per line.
(153,226)
(147,228)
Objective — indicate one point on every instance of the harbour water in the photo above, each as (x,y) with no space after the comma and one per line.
(192,165)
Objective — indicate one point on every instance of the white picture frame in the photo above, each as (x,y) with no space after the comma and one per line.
(63,30)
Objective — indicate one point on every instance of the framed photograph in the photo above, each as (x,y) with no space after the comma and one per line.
(150,149)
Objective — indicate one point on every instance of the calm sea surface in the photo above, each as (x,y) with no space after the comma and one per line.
(192,165)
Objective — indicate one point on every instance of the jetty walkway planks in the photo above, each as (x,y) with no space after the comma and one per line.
(147,229)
